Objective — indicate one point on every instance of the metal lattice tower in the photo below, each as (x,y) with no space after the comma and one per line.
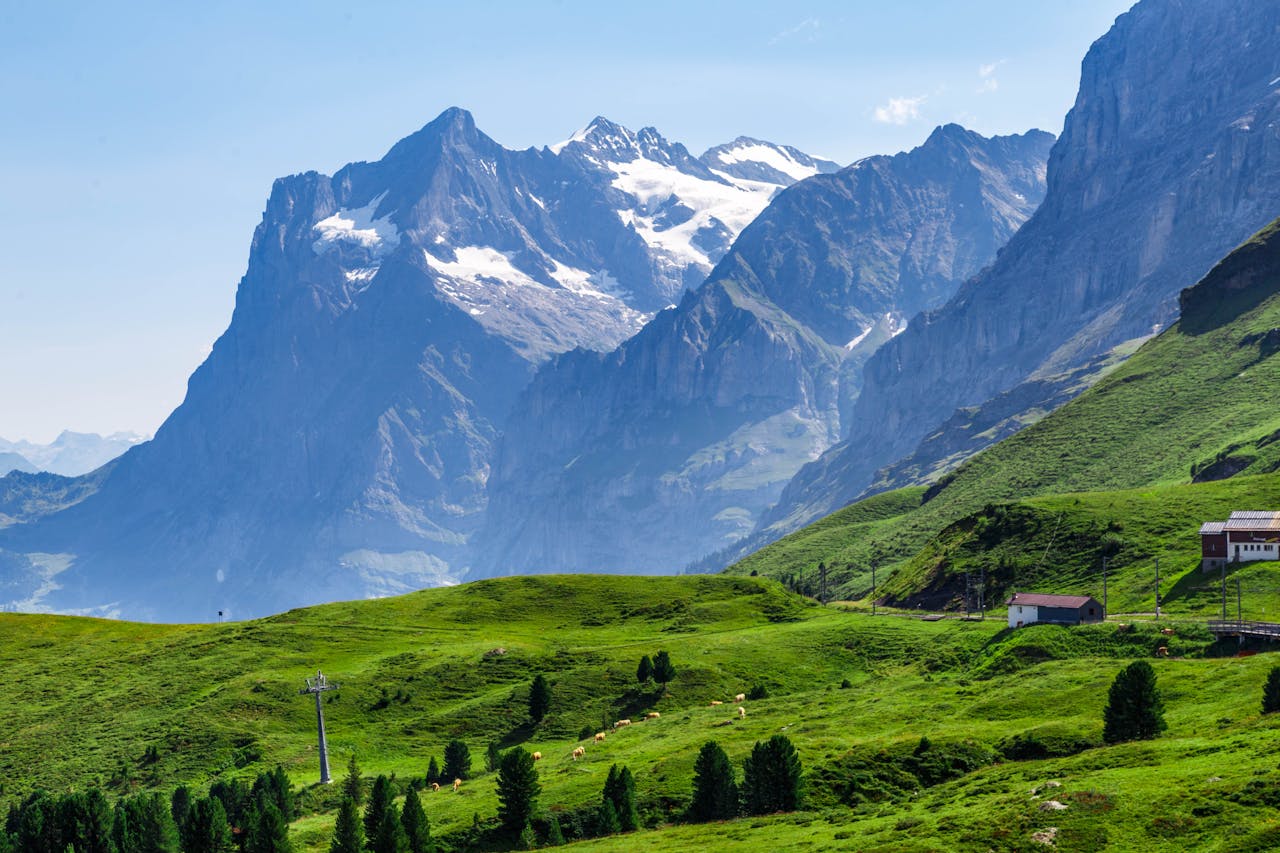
(319,685)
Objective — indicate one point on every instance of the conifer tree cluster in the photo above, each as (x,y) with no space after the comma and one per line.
(85,822)
(384,827)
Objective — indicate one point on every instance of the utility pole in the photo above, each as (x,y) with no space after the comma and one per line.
(982,592)
(1224,590)
(1238,616)
(873,587)
(1104,586)
(319,685)
(968,590)
(1157,589)
(822,569)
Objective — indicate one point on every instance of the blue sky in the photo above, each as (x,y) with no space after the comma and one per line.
(140,140)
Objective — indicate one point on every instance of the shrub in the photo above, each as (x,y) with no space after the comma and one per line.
(1271,692)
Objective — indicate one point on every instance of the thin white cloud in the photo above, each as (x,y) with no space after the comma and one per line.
(808,27)
(900,110)
(987,74)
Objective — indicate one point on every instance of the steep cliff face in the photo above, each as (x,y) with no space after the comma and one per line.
(1169,158)
(337,441)
(671,446)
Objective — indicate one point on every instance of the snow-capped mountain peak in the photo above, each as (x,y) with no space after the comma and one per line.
(756,160)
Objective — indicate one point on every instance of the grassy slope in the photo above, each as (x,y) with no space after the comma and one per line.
(1192,396)
(215,697)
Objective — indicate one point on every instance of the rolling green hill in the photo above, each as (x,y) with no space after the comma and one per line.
(1109,473)
(1004,713)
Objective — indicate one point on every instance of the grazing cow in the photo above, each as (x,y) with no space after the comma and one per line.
(457,783)
(621,723)
(742,713)
(741,697)
(715,702)
(1162,652)
(435,786)
(600,736)
(537,756)
(1168,632)
(652,715)
(579,752)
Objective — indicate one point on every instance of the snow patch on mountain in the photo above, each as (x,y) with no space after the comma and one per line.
(357,226)
(672,206)
(774,157)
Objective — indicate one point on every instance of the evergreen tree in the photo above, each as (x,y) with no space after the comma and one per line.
(645,671)
(607,822)
(269,831)
(1271,692)
(492,757)
(417,829)
(663,670)
(206,829)
(347,836)
(715,794)
(539,698)
(96,829)
(71,809)
(145,825)
(273,787)
(179,805)
(555,835)
(1134,709)
(620,790)
(433,771)
(457,760)
(38,825)
(518,790)
(234,796)
(771,777)
(353,784)
(379,801)
(390,837)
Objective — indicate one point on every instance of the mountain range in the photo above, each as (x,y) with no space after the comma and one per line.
(337,440)
(70,454)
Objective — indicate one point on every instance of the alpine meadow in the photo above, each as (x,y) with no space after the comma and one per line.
(611,496)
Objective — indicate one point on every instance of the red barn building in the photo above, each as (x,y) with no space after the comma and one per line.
(1246,536)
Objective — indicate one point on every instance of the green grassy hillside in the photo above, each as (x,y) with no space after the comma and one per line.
(1004,712)
(1191,404)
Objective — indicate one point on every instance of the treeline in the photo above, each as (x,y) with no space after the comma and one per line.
(232,817)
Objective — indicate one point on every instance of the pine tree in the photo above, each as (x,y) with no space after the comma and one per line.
(457,760)
(715,794)
(1134,709)
(1271,692)
(492,757)
(269,832)
(417,829)
(179,805)
(353,784)
(38,828)
(539,698)
(620,790)
(433,770)
(96,830)
(645,671)
(663,670)
(206,829)
(347,835)
(518,790)
(390,837)
(555,835)
(771,777)
(380,798)
(151,825)
(607,822)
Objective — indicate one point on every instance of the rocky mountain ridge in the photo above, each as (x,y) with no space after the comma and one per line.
(1169,158)
(648,457)
(337,441)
